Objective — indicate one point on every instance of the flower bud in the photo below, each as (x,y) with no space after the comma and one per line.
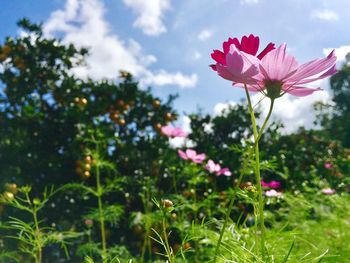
(167,203)
(9,196)
(36,201)
(88,222)
(12,188)
(88,159)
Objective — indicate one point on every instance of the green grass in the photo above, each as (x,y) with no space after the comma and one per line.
(301,229)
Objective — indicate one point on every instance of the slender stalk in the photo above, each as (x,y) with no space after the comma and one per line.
(100,211)
(145,199)
(257,174)
(39,252)
(266,120)
(166,241)
(194,187)
(38,256)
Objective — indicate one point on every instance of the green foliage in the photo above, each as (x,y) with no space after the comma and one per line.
(32,236)
(335,116)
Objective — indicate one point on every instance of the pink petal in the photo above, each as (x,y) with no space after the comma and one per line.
(250,44)
(167,130)
(301,91)
(328,165)
(182,155)
(268,48)
(219,57)
(213,67)
(273,193)
(210,166)
(191,153)
(224,73)
(217,168)
(329,72)
(234,61)
(242,66)
(275,184)
(226,45)
(199,158)
(178,132)
(225,171)
(328,191)
(314,67)
(264,184)
(277,64)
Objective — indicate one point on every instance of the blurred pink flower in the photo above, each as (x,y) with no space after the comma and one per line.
(173,132)
(264,184)
(275,184)
(88,222)
(273,193)
(272,184)
(249,45)
(216,168)
(192,156)
(328,165)
(276,74)
(328,191)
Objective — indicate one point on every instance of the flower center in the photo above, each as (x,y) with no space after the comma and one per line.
(273,88)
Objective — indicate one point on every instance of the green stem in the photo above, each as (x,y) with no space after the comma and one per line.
(145,201)
(195,219)
(101,215)
(266,120)
(38,257)
(257,174)
(166,241)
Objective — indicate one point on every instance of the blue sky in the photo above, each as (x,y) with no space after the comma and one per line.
(167,43)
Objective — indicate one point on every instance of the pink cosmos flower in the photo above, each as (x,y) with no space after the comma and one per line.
(328,165)
(192,156)
(273,193)
(249,45)
(272,184)
(216,168)
(328,191)
(173,132)
(276,73)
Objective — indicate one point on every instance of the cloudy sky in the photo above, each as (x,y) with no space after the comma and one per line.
(166,44)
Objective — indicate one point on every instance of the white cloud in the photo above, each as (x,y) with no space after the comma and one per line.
(205,34)
(325,14)
(221,108)
(197,55)
(83,24)
(149,15)
(340,52)
(164,78)
(249,2)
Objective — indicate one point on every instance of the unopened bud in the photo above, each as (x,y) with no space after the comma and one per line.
(88,222)
(167,203)
(9,196)
(36,201)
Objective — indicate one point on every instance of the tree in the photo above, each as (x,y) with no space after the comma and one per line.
(48,118)
(335,118)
